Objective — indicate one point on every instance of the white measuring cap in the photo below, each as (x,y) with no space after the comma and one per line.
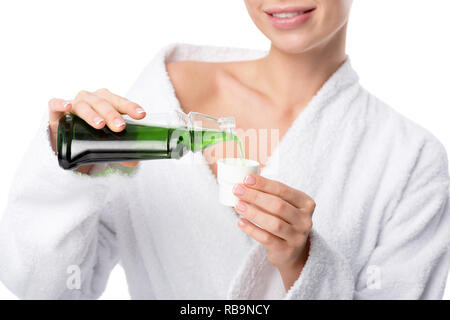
(231,171)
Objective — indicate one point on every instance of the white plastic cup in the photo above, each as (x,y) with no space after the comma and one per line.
(231,171)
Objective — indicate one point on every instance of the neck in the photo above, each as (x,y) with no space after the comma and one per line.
(291,80)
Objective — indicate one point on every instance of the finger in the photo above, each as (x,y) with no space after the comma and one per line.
(295,197)
(59,105)
(130,163)
(268,202)
(85,112)
(262,236)
(106,110)
(266,221)
(122,104)
(57,108)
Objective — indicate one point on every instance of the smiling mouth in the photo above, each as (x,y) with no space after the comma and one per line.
(287,15)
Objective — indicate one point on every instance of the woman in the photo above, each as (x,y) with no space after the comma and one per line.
(373,184)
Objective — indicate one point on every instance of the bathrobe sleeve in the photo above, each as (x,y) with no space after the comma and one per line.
(57,237)
(410,260)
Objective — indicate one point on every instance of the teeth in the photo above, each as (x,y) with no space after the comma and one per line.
(287,14)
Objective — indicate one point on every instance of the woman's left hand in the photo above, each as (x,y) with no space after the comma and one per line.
(280,218)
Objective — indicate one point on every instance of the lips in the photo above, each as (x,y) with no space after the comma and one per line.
(288,18)
(273,11)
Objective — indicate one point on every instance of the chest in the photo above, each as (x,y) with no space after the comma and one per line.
(260,124)
(259,128)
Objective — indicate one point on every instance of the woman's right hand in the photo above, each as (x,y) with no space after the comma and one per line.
(98,109)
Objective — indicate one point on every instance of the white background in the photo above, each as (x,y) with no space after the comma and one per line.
(55,48)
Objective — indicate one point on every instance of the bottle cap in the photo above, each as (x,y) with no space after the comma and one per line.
(231,171)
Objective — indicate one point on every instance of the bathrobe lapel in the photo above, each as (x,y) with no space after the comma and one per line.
(302,148)
(213,227)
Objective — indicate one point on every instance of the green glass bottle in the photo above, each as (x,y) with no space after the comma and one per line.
(78,143)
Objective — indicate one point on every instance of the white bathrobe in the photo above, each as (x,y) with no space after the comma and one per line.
(381,228)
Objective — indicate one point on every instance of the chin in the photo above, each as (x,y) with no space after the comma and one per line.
(292,44)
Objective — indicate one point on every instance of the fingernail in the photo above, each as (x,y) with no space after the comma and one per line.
(241,206)
(66,105)
(238,190)
(250,180)
(140,110)
(241,222)
(119,123)
(98,120)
